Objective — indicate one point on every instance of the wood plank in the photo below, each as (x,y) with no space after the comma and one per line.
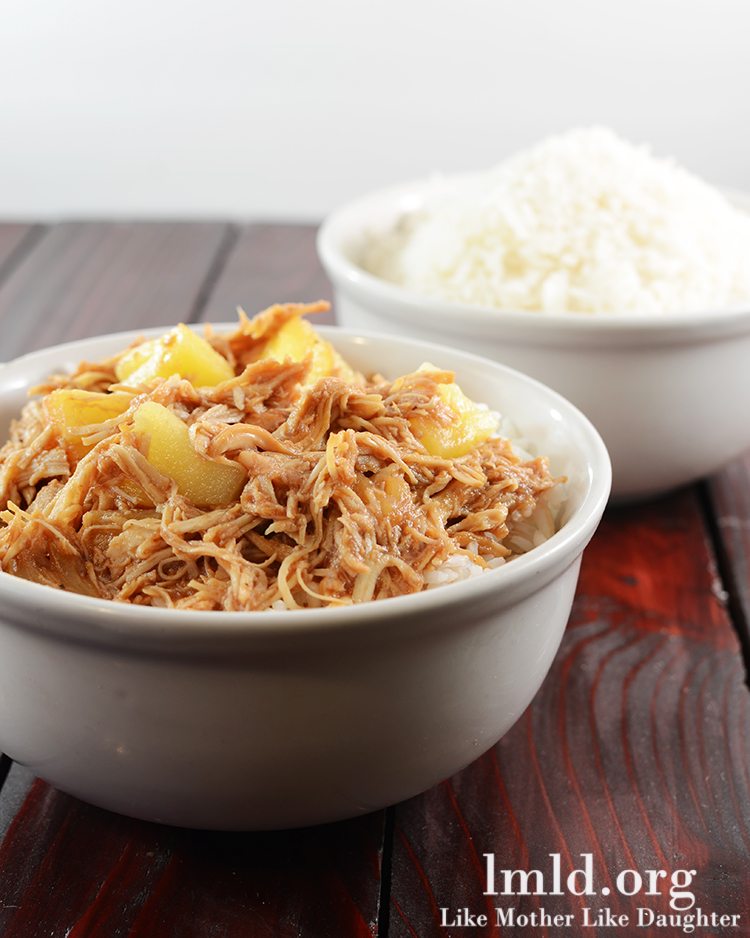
(86,279)
(16,784)
(729,506)
(636,749)
(15,239)
(68,869)
(269,264)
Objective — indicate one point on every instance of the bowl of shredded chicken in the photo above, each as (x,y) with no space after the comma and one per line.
(258,470)
(268,575)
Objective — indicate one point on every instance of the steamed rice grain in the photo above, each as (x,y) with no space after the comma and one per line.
(582,223)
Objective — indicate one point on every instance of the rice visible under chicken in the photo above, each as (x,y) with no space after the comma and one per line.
(342,503)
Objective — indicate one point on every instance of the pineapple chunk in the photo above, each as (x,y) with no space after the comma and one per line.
(206,482)
(470,426)
(69,409)
(179,352)
(296,339)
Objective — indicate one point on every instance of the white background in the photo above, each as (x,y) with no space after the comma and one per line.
(283,109)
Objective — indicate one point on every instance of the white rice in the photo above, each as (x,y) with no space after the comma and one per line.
(581,223)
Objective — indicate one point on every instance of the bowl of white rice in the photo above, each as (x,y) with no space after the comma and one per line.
(280,718)
(616,277)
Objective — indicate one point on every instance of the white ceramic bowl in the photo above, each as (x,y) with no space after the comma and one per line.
(278,719)
(665,393)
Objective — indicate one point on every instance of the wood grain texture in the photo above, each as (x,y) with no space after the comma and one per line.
(68,869)
(729,508)
(15,239)
(637,748)
(87,279)
(269,264)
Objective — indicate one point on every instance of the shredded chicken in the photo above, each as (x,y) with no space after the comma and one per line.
(342,503)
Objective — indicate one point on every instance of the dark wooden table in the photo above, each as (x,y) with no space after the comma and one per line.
(636,749)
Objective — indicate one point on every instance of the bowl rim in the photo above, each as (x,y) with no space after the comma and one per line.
(342,270)
(102,619)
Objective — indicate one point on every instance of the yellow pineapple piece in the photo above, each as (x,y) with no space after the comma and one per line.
(296,339)
(206,482)
(133,359)
(470,424)
(179,352)
(70,409)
